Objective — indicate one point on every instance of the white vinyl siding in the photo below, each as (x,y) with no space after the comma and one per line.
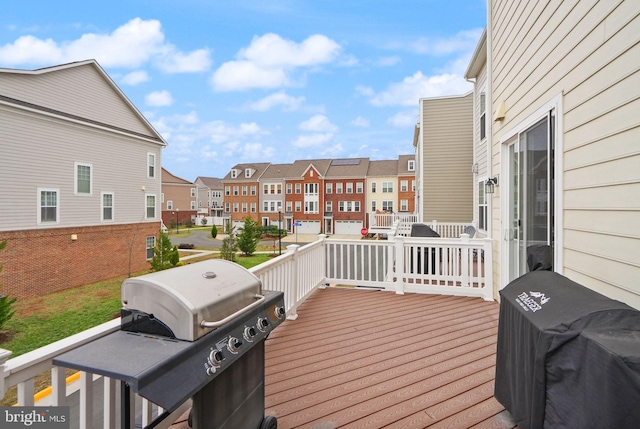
(588,53)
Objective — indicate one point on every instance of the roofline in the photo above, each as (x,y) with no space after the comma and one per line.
(103,73)
(444,97)
(481,50)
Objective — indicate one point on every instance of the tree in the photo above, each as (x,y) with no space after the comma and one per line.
(249,237)
(6,303)
(203,221)
(165,255)
(229,244)
(214,231)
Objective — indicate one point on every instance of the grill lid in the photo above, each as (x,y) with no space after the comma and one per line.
(182,298)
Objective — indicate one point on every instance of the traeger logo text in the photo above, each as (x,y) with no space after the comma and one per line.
(532,301)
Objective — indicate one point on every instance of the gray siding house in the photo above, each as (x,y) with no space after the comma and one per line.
(80,179)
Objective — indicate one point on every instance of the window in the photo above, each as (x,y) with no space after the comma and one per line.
(356,206)
(404,185)
(265,189)
(413,185)
(298,206)
(48,204)
(236,190)
(151,206)
(329,207)
(387,187)
(247,173)
(151,244)
(289,206)
(193,192)
(253,189)
(244,207)
(169,205)
(279,188)
(373,206)
(227,207)
(328,188)
(373,187)
(234,174)
(482,207)
(236,207)
(349,187)
(244,190)
(107,206)
(311,207)
(151,165)
(311,189)
(253,207)
(298,188)
(83,179)
(411,165)
(483,116)
(338,188)
(289,188)
(387,206)
(193,205)
(359,187)
(341,206)
(227,190)
(404,205)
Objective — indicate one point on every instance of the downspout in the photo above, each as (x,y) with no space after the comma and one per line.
(489,101)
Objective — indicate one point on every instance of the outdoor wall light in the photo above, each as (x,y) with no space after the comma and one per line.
(74,237)
(490,184)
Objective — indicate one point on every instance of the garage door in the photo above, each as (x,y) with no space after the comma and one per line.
(350,227)
(309,227)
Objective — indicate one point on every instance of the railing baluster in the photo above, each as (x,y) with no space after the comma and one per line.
(86,400)
(58,386)
(109,403)
(25,393)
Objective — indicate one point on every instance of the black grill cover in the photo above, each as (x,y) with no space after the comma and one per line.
(567,357)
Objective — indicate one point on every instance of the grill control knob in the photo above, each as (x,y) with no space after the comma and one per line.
(249,333)
(216,357)
(280,312)
(262,324)
(233,345)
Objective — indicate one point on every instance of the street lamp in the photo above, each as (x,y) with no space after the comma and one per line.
(177,221)
(279,230)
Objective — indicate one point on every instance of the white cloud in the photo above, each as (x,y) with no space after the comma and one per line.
(360,122)
(272,62)
(365,90)
(388,61)
(403,119)
(132,45)
(287,102)
(332,151)
(319,123)
(461,42)
(135,78)
(412,88)
(312,140)
(159,98)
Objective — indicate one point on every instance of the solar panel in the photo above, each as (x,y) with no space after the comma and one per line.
(345,162)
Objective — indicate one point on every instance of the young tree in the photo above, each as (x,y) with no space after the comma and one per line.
(214,231)
(229,244)
(165,255)
(6,303)
(249,237)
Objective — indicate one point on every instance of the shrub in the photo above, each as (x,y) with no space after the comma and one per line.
(229,244)
(164,254)
(214,231)
(203,221)
(186,246)
(249,237)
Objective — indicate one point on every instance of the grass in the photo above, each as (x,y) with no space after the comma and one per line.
(46,319)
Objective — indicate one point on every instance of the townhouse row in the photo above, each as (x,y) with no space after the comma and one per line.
(331,196)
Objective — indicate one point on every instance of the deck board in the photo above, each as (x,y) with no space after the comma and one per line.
(372,359)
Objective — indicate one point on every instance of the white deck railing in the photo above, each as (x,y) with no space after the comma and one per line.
(401,264)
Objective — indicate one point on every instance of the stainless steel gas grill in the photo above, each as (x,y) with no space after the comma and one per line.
(196,332)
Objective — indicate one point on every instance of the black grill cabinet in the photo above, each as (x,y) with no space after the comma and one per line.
(567,356)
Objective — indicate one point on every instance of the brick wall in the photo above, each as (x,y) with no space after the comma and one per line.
(39,262)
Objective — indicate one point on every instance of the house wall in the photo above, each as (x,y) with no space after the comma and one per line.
(447,150)
(39,262)
(588,52)
(378,196)
(42,153)
(65,90)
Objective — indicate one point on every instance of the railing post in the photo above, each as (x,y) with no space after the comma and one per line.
(399,258)
(4,355)
(292,312)
(323,239)
(464,255)
(488,269)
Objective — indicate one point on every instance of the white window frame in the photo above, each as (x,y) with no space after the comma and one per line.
(411,165)
(147,207)
(103,207)
(387,187)
(150,244)
(170,205)
(404,186)
(75,178)
(57,206)
(151,165)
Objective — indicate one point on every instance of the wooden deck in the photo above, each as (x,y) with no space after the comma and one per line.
(374,359)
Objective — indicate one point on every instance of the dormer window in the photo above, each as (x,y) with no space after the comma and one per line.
(234,174)
(411,165)
(247,173)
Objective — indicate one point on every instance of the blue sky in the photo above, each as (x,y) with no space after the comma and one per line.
(235,81)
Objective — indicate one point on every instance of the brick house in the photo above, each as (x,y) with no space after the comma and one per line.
(345,196)
(80,184)
(241,198)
